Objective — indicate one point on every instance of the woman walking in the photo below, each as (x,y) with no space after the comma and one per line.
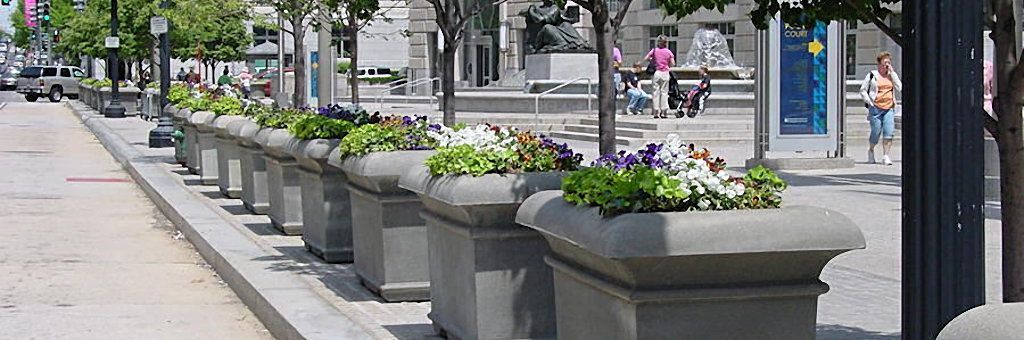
(879,94)
(663,59)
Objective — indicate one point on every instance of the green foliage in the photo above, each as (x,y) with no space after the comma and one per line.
(226,105)
(763,187)
(796,12)
(278,119)
(253,109)
(465,160)
(343,66)
(642,189)
(196,104)
(317,126)
(178,94)
(383,80)
(386,136)
(214,29)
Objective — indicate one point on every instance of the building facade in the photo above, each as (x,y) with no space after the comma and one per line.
(492,52)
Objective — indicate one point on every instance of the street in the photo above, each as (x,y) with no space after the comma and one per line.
(85,254)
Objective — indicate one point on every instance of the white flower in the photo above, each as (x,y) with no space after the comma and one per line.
(480,137)
(703,204)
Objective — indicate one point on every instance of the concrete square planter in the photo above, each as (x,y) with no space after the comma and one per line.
(389,235)
(326,213)
(253,167)
(229,161)
(284,191)
(129,97)
(742,274)
(85,94)
(206,146)
(488,279)
(179,125)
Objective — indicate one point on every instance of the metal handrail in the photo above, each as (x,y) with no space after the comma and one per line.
(536,100)
(380,97)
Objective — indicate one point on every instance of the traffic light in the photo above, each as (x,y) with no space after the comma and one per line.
(46,13)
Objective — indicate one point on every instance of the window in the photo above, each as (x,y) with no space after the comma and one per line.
(65,72)
(50,72)
(78,73)
(261,35)
(728,30)
(672,32)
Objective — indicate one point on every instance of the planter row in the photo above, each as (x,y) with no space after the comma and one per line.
(99,97)
(505,257)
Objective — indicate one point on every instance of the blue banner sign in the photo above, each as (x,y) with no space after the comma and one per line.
(803,106)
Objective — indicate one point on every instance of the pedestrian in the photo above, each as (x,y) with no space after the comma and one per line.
(246,80)
(988,85)
(182,74)
(879,94)
(636,95)
(663,59)
(192,77)
(225,78)
(702,86)
(616,64)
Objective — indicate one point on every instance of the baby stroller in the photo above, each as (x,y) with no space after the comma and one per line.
(680,100)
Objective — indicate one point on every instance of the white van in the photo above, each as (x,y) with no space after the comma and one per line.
(373,72)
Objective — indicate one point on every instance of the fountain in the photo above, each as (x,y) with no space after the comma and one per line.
(709,48)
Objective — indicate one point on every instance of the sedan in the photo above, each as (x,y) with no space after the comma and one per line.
(9,80)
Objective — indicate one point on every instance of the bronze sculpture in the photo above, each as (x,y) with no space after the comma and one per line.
(549,29)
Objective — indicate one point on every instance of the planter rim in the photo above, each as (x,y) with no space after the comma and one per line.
(670,234)
(279,143)
(464,190)
(244,128)
(262,135)
(202,118)
(220,123)
(315,149)
(184,113)
(381,164)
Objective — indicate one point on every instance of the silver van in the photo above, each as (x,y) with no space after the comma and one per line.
(53,82)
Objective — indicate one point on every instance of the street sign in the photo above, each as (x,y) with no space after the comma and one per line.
(112,42)
(157,25)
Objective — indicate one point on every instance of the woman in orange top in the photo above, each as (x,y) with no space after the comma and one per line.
(879,94)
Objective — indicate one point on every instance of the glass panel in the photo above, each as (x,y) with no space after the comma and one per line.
(64,72)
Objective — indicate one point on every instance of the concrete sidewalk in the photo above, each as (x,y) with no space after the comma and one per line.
(85,255)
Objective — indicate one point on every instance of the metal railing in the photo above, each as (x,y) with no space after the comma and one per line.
(421,81)
(536,100)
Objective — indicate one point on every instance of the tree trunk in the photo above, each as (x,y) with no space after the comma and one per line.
(606,91)
(353,66)
(1008,106)
(299,62)
(448,83)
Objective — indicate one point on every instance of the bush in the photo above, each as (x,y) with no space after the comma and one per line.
(319,126)
(392,134)
(485,149)
(226,105)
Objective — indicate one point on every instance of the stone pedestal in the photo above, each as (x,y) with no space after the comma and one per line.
(326,212)
(389,236)
(229,167)
(206,147)
(191,153)
(253,167)
(561,66)
(488,279)
(741,274)
(283,184)
(179,118)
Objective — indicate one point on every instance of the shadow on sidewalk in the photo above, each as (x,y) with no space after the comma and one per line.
(840,332)
(411,331)
(841,179)
(341,279)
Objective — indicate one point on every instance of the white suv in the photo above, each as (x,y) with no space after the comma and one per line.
(53,82)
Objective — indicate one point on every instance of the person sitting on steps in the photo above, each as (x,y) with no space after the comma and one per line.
(636,95)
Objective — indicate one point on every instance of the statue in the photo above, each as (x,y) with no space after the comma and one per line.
(549,30)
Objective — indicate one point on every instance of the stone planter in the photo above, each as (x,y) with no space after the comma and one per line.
(191,136)
(85,94)
(180,152)
(252,166)
(746,274)
(284,190)
(229,162)
(389,235)
(326,212)
(488,279)
(129,97)
(206,146)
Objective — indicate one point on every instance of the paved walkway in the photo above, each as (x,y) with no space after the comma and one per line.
(85,255)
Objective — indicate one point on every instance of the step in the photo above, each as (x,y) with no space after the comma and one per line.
(648,123)
(662,134)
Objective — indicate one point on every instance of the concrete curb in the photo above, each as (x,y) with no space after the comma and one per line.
(287,306)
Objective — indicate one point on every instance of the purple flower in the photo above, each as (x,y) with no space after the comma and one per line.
(434,127)
(406,121)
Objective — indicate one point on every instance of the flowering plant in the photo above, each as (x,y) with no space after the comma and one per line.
(391,134)
(484,149)
(669,176)
(278,118)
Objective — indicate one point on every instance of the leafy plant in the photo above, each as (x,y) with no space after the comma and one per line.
(178,94)
(394,133)
(226,105)
(669,177)
(485,149)
(319,126)
(278,119)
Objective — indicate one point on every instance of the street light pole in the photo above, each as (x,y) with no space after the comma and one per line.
(943,177)
(114,109)
(160,136)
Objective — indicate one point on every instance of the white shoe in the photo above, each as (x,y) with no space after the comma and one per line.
(871,156)
(886,160)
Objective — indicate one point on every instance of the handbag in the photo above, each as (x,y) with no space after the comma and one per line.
(651,68)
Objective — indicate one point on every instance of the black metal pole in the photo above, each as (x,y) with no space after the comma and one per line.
(160,136)
(114,109)
(943,178)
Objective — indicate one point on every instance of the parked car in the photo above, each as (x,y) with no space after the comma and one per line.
(265,78)
(53,82)
(9,80)
(373,72)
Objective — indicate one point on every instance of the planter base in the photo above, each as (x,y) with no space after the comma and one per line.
(230,169)
(330,256)
(591,308)
(285,195)
(399,292)
(391,255)
(326,214)
(208,171)
(254,180)
(258,209)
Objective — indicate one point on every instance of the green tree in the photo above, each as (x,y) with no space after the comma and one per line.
(210,29)
(358,14)
(1006,125)
(299,14)
(21,30)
